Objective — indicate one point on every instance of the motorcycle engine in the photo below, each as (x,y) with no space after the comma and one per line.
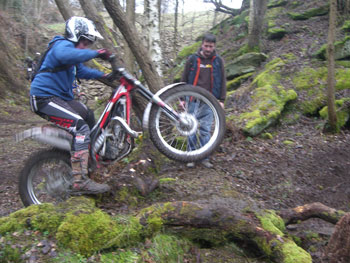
(115,143)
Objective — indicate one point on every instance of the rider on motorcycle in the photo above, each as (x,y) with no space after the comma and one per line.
(51,94)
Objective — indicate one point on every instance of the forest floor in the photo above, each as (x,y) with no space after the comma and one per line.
(311,167)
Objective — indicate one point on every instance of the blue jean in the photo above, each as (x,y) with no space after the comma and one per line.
(204,115)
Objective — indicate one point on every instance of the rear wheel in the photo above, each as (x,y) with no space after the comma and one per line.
(200,131)
(46,177)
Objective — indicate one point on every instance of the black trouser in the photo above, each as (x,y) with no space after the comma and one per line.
(72,116)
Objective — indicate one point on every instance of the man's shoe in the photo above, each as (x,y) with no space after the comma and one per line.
(207,164)
(87,186)
(191,165)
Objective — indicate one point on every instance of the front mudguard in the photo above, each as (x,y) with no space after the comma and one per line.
(48,134)
(145,119)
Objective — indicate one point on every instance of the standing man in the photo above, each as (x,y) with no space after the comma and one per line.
(205,69)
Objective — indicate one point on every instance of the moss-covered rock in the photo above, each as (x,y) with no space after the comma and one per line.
(267,100)
(318,11)
(276,3)
(312,82)
(86,233)
(343,114)
(236,82)
(244,64)
(276,33)
(187,51)
(269,103)
(41,217)
(341,50)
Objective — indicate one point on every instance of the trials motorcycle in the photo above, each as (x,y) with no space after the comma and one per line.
(170,118)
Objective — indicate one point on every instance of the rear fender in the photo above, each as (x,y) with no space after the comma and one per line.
(48,134)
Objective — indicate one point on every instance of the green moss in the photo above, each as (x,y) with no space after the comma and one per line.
(167,180)
(343,63)
(292,253)
(276,33)
(9,253)
(236,82)
(289,56)
(308,78)
(129,232)
(267,136)
(187,51)
(312,81)
(268,102)
(271,222)
(288,142)
(342,79)
(167,248)
(128,195)
(276,3)
(86,233)
(240,19)
(153,215)
(232,54)
(41,217)
(122,256)
(340,50)
(318,11)
(269,76)
(268,99)
(346,26)
(342,115)
(205,236)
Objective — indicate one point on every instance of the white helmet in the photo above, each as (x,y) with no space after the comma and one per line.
(77,27)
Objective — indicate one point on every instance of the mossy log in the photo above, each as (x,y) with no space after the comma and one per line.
(262,231)
(78,225)
(313,210)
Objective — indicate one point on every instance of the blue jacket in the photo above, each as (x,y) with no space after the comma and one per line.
(59,84)
(216,79)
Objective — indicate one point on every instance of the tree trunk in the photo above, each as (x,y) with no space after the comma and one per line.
(332,117)
(130,15)
(215,18)
(152,23)
(176,15)
(64,8)
(131,36)
(256,22)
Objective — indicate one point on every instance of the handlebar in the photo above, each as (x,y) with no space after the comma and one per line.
(118,71)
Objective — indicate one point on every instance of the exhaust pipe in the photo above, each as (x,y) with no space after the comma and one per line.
(126,127)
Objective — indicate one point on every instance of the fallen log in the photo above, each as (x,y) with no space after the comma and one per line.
(313,210)
(262,230)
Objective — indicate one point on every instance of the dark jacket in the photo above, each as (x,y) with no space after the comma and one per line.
(208,73)
(59,84)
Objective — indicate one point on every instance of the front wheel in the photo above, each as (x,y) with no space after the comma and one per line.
(199,131)
(46,177)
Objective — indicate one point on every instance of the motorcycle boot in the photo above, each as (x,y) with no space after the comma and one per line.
(81,183)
